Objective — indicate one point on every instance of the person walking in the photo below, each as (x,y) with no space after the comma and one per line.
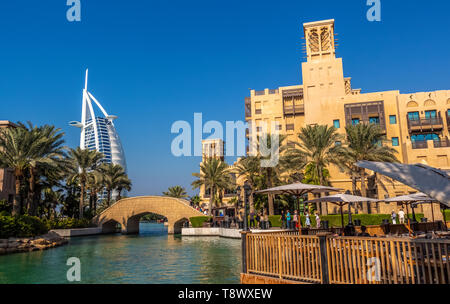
(283,220)
(266,220)
(295,220)
(227,219)
(288,220)
(307,220)
(317,220)
(252,219)
(394,217)
(401,216)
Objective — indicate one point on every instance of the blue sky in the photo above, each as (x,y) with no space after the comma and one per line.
(155,62)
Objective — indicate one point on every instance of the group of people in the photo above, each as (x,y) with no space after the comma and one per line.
(293,221)
(198,208)
(401,217)
(258,220)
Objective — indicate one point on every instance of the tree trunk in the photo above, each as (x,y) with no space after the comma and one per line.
(323,205)
(252,202)
(31,185)
(365,205)
(354,184)
(95,202)
(119,195)
(80,211)
(211,200)
(16,203)
(270,196)
(108,199)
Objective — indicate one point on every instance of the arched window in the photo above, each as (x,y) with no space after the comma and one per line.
(429,102)
(412,104)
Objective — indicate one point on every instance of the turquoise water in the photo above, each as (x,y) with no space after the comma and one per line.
(150,257)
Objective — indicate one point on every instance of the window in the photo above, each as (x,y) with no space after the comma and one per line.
(430,114)
(355,121)
(337,143)
(392,119)
(336,123)
(413,115)
(374,120)
(395,141)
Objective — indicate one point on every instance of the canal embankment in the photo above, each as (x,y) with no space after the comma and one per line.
(28,244)
(219,231)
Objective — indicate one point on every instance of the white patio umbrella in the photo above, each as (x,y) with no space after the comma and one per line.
(411,199)
(298,189)
(341,200)
(431,181)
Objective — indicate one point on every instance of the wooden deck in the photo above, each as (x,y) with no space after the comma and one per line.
(326,259)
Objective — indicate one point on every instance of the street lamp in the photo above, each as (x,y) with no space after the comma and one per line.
(247,190)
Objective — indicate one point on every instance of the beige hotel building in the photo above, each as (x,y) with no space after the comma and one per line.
(416,124)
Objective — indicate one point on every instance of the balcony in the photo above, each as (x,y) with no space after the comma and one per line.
(419,144)
(275,91)
(425,124)
(291,110)
(259,93)
(448,120)
(248,107)
(441,143)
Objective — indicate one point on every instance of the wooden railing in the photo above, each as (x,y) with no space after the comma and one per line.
(347,260)
(284,256)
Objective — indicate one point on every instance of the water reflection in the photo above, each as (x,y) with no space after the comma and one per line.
(151,257)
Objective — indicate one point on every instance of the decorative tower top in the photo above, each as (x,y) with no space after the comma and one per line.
(320,42)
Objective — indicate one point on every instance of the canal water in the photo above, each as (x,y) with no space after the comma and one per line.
(153,256)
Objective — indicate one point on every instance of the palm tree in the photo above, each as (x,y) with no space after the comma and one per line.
(48,155)
(365,142)
(316,149)
(123,183)
(16,145)
(248,168)
(83,161)
(113,176)
(176,191)
(195,200)
(271,173)
(94,186)
(214,174)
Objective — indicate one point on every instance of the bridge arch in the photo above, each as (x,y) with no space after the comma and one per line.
(128,211)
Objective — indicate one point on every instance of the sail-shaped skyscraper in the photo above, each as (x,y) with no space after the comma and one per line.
(98,131)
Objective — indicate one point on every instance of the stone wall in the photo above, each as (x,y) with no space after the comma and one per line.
(13,245)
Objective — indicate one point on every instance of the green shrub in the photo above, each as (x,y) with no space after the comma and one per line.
(21,226)
(197,221)
(68,223)
(275,220)
(335,219)
(5,208)
(366,219)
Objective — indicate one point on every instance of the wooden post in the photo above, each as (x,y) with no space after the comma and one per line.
(244,251)
(324,257)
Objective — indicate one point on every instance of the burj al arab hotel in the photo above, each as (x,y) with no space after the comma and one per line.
(98,131)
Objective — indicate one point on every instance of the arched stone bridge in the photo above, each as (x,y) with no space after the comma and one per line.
(128,211)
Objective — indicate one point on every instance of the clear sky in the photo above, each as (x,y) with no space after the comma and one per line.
(155,62)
